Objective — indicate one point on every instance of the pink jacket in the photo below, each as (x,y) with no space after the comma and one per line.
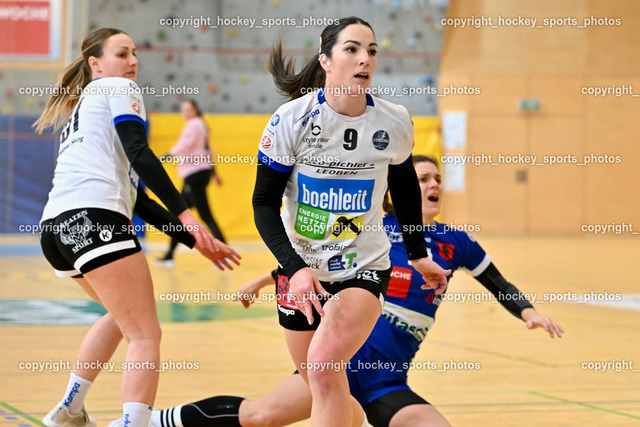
(191,150)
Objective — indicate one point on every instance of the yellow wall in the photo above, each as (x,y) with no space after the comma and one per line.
(235,141)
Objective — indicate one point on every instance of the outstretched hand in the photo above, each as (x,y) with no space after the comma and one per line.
(536,320)
(250,291)
(435,277)
(220,255)
(210,247)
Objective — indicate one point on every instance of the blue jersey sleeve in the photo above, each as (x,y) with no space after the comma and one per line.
(473,257)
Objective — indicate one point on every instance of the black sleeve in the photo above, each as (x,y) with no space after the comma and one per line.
(507,294)
(274,275)
(147,165)
(267,199)
(150,211)
(407,203)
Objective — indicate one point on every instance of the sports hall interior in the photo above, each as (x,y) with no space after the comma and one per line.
(532,109)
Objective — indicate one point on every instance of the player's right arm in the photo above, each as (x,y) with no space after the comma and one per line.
(128,114)
(276,164)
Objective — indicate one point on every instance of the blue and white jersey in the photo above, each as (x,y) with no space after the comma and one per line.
(409,310)
(339,165)
(92,169)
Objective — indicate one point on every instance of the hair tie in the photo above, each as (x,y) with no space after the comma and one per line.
(320,48)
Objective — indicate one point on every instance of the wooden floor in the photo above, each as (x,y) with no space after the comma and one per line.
(518,377)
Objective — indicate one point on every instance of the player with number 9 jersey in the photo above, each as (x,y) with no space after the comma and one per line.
(377,373)
(338,168)
(330,153)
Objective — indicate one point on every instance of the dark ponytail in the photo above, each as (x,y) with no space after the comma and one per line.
(287,82)
(312,76)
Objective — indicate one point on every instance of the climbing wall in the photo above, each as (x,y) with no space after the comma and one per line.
(216,51)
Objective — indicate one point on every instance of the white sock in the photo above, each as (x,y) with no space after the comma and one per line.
(155,418)
(365,423)
(167,417)
(76,391)
(136,414)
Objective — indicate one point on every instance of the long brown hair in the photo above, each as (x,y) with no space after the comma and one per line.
(312,74)
(73,80)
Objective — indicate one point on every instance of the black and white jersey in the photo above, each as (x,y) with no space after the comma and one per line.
(339,166)
(92,169)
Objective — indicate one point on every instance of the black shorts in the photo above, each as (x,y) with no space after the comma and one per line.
(380,411)
(81,240)
(374,281)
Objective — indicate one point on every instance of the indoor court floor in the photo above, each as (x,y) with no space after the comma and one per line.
(479,365)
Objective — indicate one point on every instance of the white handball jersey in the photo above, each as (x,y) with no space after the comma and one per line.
(333,200)
(92,170)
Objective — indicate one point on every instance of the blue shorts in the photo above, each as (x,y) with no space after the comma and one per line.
(377,373)
(373,374)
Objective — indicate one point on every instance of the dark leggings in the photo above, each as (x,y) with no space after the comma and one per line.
(195,193)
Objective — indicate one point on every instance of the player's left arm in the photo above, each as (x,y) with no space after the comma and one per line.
(150,211)
(515,302)
(407,201)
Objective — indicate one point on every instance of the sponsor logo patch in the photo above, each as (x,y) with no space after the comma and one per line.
(342,262)
(311,222)
(400,282)
(380,140)
(282,294)
(446,250)
(347,227)
(335,195)
(265,143)
(75,231)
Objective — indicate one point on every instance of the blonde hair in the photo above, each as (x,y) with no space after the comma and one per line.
(72,81)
